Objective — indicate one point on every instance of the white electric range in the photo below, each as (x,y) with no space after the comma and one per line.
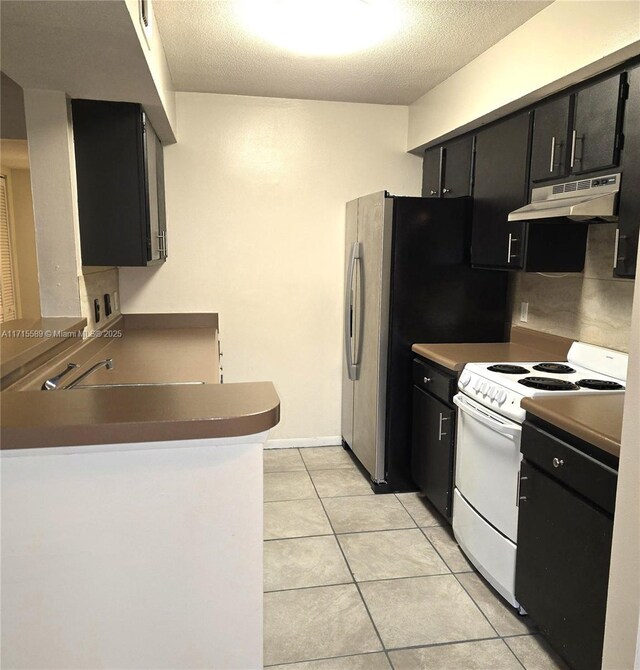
(487,477)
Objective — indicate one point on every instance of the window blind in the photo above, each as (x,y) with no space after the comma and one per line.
(8,308)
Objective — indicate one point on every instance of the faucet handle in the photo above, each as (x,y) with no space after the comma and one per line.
(51,384)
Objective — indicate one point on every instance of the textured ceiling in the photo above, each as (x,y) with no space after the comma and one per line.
(208,51)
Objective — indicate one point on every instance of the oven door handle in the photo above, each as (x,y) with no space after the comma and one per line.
(509,430)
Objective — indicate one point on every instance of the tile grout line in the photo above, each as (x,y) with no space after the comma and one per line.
(356,583)
(344,557)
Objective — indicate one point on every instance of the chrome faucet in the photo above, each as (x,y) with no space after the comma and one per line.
(106,363)
(53,383)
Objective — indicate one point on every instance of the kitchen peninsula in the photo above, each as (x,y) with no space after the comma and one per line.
(104,489)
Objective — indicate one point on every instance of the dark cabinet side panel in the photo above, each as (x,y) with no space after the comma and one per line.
(500,186)
(597,119)
(550,143)
(629,210)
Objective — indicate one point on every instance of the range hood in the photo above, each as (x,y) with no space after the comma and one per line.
(582,200)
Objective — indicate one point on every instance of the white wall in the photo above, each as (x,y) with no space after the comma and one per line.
(622,631)
(256,190)
(563,44)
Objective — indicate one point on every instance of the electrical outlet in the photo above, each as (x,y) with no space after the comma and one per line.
(96,310)
(524,311)
(107,305)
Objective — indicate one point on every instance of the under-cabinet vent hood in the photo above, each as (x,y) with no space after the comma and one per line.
(581,200)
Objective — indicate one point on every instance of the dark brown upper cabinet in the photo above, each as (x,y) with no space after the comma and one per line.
(579,133)
(500,186)
(550,146)
(120,176)
(431,172)
(448,169)
(626,247)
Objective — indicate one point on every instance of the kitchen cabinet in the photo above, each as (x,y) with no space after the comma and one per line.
(433,434)
(579,133)
(120,177)
(431,172)
(626,249)
(448,170)
(500,186)
(550,144)
(565,526)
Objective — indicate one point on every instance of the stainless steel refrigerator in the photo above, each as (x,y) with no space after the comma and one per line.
(408,279)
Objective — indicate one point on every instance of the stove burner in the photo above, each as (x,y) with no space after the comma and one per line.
(508,369)
(600,385)
(555,368)
(548,384)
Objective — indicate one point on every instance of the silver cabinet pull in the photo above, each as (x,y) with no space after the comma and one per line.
(427,380)
(440,433)
(618,259)
(557,462)
(553,151)
(432,192)
(518,496)
(574,137)
(446,190)
(512,239)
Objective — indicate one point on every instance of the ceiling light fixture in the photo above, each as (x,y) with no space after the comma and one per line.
(321,27)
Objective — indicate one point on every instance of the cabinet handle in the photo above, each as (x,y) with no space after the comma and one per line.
(574,137)
(618,259)
(427,380)
(518,496)
(557,462)
(432,192)
(512,239)
(162,244)
(440,433)
(446,190)
(553,152)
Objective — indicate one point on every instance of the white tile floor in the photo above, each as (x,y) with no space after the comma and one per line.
(356,581)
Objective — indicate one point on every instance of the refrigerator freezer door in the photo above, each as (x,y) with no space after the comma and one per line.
(349,324)
(372,332)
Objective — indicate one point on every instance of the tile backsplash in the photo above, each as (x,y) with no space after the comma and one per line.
(590,306)
(94,283)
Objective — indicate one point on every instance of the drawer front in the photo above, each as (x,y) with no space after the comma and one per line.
(429,378)
(595,481)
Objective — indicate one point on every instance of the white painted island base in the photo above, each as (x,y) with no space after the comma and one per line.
(140,556)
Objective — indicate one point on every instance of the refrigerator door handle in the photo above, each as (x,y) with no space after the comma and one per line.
(352,368)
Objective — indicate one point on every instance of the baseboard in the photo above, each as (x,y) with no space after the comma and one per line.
(298,442)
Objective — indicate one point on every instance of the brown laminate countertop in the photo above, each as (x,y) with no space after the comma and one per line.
(22,346)
(151,350)
(596,419)
(525,345)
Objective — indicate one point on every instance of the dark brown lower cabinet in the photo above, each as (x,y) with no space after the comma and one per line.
(564,546)
(433,437)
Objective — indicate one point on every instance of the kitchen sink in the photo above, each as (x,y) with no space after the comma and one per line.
(131,385)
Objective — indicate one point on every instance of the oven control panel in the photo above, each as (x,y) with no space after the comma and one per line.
(491,395)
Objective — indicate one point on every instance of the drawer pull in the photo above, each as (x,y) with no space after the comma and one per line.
(427,380)
(557,462)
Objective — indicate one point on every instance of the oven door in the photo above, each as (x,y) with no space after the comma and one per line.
(488,464)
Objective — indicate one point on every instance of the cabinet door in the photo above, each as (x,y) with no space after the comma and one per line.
(549,148)
(562,566)
(595,141)
(431,172)
(432,449)
(456,168)
(500,186)
(629,210)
